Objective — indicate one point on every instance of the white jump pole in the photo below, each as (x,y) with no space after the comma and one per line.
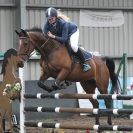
(22,103)
(22,4)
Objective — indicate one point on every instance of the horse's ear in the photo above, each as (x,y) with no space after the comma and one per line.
(18,33)
(24,33)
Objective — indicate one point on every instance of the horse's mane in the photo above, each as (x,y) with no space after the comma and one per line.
(7,55)
(34,29)
(53,44)
(37,29)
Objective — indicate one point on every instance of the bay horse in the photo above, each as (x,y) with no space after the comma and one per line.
(9,67)
(56,62)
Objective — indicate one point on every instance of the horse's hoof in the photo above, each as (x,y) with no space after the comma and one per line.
(68,83)
(60,87)
(41,85)
(55,87)
(49,90)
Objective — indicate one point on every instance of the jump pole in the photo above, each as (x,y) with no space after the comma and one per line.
(79,126)
(22,13)
(78,110)
(22,103)
(78,96)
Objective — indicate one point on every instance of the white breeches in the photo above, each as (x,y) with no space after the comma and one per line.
(74,39)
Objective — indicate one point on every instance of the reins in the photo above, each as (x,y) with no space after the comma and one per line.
(45,42)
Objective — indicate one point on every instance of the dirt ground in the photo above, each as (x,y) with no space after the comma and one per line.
(79,120)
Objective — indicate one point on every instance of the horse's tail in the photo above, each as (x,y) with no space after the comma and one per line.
(113,76)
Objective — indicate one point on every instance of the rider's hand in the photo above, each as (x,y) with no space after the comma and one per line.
(50,35)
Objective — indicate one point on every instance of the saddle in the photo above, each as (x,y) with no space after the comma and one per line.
(87,55)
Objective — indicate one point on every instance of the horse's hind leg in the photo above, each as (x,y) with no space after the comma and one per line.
(11,125)
(103,90)
(1,123)
(10,122)
(89,88)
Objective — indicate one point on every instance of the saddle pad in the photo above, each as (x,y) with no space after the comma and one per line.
(87,55)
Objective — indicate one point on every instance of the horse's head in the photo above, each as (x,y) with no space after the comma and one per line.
(11,57)
(17,61)
(35,39)
(26,46)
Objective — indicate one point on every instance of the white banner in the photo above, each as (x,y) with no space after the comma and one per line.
(101,18)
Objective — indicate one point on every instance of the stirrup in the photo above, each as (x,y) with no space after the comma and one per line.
(86,67)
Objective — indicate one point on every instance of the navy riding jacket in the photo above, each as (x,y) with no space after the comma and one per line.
(62,30)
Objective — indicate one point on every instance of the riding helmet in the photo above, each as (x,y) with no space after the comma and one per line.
(51,12)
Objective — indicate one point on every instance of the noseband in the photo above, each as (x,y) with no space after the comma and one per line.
(26,53)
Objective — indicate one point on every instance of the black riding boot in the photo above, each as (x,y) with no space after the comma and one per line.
(80,55)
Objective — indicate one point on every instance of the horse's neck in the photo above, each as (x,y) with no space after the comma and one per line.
(9,76)
(50,44)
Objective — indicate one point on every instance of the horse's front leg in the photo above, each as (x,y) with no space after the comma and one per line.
(44,76)
(10,123)
(41,81)
(1,123)
(44,87)
(61,77)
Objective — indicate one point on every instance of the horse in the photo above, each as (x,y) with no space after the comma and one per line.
(9,67)
(57,62)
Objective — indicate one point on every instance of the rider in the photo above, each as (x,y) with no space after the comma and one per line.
(62,31)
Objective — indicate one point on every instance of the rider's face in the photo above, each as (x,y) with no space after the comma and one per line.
(52,20)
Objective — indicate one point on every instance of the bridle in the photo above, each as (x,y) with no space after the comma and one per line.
(40,49)
(26,53)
